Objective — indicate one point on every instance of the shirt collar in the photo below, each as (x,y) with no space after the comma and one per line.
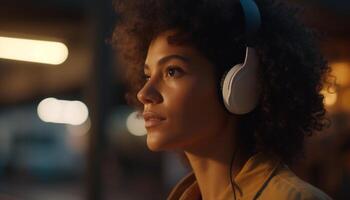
(250,181)
(255,174)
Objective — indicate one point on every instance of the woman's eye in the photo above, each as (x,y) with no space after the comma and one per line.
(173,71)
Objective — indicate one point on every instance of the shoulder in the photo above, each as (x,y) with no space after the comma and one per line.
(287,186)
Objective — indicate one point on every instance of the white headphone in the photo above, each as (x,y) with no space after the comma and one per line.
(240,89)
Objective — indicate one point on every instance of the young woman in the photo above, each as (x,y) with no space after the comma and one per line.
(238,125)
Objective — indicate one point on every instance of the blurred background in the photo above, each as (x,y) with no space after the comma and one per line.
(66,132)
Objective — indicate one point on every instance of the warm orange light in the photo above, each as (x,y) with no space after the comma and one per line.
(345,100)
(330,97)
(341,70)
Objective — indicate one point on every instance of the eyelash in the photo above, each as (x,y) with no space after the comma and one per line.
(171,67)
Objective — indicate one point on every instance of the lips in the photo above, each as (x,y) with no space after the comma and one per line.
(152,119)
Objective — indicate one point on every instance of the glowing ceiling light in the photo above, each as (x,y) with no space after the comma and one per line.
(40,51)
(62,111)
(136,125)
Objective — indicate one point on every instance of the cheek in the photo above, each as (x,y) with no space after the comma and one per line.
(194,107)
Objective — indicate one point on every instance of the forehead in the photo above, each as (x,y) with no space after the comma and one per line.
(160,47)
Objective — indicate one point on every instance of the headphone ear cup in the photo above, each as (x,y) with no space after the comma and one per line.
(240,86)
(226,85)
(228,74)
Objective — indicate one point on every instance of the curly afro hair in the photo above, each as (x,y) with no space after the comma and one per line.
(292,70)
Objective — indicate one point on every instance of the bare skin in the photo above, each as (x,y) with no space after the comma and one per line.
(182,90)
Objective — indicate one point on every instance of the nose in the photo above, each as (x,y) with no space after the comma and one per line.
(149,94)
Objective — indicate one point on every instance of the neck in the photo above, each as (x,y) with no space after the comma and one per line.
(211,162)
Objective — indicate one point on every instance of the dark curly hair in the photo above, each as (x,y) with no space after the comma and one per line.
(292,71)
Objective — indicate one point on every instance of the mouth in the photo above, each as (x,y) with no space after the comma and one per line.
(152,119)
(153,122)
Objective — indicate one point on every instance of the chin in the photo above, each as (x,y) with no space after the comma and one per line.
(156,145)
(155,149)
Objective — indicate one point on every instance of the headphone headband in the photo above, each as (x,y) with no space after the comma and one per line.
(240,89)
(252,19)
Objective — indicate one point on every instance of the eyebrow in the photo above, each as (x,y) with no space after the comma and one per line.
(169,57)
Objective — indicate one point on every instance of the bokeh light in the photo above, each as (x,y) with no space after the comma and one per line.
(330,97)
(63,111)
(341,70)
(136,124)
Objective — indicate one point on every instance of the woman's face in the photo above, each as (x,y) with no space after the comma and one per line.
(181,107)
